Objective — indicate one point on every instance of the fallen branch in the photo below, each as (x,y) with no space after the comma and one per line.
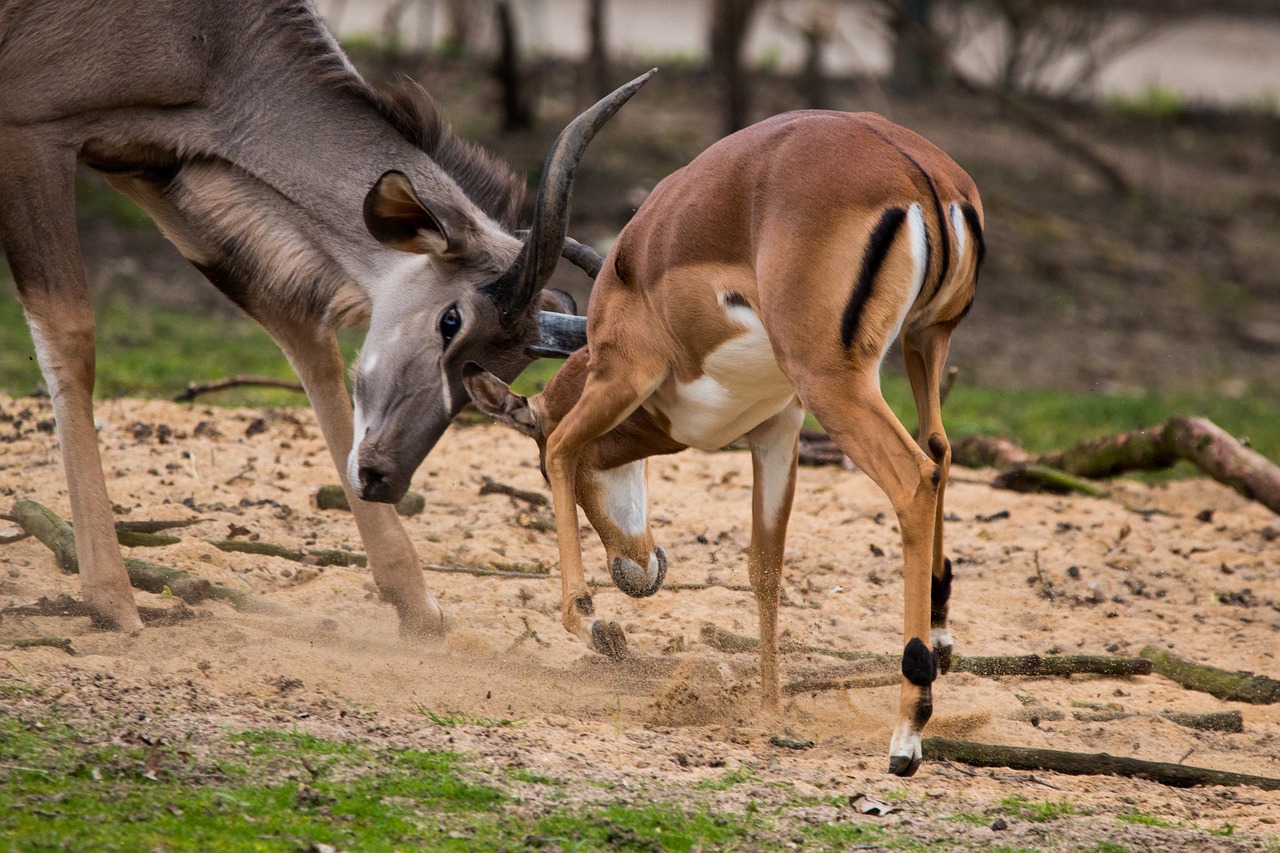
(137,539)
(985,666)
(45,642)
(1237,686)
(335,497)
(313,557)
(149,526)
(56,534)
(1215,721)
(1086,764)
(65,605)
(194,389)
(1195,440)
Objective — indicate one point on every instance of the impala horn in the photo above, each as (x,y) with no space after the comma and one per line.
(514,292)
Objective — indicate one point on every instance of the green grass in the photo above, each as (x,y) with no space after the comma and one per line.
(155,353)
(66,788)
(453,719)
(1037,812)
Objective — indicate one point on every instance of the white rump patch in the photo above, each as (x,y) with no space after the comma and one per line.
(624,498)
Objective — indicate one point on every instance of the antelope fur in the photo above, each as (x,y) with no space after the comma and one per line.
(767,277)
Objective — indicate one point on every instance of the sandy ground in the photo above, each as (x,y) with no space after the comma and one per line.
(1194,571)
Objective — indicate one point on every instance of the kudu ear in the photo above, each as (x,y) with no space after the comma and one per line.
(492,396)
(396,217)
(556,301)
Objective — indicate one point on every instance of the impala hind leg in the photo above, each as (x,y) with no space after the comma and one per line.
(857,418)
(608,398)
(316,359)
(38,232)
(925,354)
(774,446)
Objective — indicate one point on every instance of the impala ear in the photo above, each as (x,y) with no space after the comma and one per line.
(396,217)
(492,396)
(557,301)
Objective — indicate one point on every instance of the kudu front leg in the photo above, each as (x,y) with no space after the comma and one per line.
(863,426)
(38,232)
(393,561)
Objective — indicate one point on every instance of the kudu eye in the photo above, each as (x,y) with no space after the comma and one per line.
(450,324)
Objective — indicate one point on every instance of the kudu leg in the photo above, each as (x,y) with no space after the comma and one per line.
(38,231)
(603,405)
(926,356)
(774,452)
(393,561)
(857,418)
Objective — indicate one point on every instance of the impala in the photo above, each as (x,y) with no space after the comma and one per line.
(307,198)
(767,277)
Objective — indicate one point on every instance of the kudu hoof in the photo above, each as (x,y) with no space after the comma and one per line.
(608,639)
(637,581)
(904,765)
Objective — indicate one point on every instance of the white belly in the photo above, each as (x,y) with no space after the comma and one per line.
(741,387)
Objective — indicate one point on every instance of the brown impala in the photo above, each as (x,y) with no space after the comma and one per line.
(304,196)
(767,277)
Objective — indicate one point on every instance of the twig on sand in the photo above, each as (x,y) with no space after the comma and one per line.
(45,642)
(1232,686)
(493,487)
(196,389)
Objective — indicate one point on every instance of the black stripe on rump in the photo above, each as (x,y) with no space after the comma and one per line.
(872,259)
(975,228)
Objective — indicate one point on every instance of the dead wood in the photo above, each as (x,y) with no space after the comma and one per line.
(45,642)
(1237,686)
(334,497)
(65,605)
(985,666)
(535,499)
(195,389)
(137,539)
(312,557)
(57,535)
(1196,440)
(156,526)
(1086,764)
(1215,721)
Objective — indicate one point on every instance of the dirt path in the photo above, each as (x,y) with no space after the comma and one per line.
(1197,576)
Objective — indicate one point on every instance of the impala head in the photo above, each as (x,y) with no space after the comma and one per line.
(611,486)
(464,291)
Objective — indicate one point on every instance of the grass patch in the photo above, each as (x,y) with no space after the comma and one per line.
(1144,819)
(728,779)
(1037,812)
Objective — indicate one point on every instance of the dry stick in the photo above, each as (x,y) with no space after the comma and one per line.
(194,389)
(57,535)
(1086,764)
(147,526)
(314,557)
(986,666)
(45,642)
(1232,686)
(492,487)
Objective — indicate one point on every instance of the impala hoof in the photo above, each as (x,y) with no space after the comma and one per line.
(904,765)
(608,639)
(637,581)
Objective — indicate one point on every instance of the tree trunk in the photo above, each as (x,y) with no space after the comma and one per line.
(730,26)
(597,73)
(516,113)
(914,70)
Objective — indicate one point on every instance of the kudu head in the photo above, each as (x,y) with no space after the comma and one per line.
(611,482)
(463,293)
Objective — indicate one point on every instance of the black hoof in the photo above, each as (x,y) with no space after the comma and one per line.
(607,639)
(901,765)
(634,580)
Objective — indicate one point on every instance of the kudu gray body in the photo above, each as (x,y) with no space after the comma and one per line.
(242,129)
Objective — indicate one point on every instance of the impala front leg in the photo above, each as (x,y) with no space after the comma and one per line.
(602,406)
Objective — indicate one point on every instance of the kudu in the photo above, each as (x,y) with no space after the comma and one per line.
(768,276)
(242,129)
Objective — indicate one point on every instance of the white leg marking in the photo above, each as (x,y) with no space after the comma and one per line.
(623,497)
(940,637)
(905,742)
(772,446)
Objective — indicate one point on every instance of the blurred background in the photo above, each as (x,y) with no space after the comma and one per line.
(1128,154)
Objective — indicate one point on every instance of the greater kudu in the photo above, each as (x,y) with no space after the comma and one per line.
(243,130)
